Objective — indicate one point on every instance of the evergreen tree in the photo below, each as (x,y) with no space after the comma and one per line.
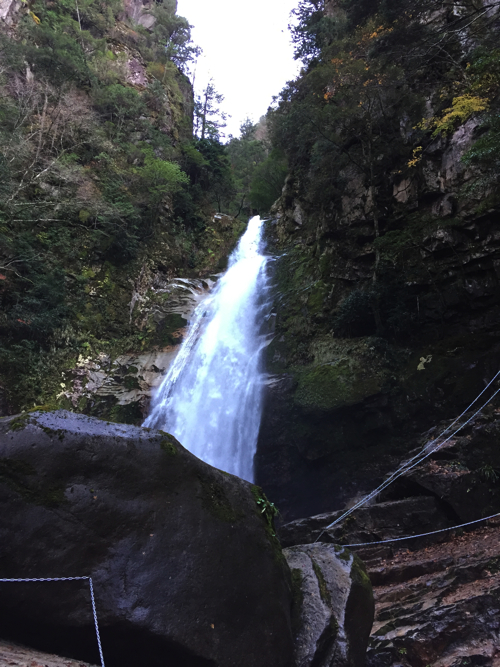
(209,119)
(246,153)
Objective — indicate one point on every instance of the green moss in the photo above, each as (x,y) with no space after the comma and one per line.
(215,500)
(168,444)
(359,575)
(326,265)
(334,627)
(130,382)
(168,327)
(19,476)
(48,407)
(317,296)
(323,586)
(336,384)
(343,553)
(19,422)
(15,468)
(109,409)
(52,433)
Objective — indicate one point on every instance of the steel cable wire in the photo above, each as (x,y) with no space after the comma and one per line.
(94,612)
(418,458)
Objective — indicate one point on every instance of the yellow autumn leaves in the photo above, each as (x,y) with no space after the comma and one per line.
(462,108)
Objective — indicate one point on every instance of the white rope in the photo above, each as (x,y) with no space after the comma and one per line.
(411,537)
(418,458)
(91,597)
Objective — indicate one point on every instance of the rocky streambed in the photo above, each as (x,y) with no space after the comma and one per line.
(435,603)
(438,604)
(437,597)
(187,567)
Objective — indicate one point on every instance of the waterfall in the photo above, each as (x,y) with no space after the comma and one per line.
(211,397)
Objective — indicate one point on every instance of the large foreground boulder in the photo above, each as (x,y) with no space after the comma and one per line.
(333,606)
(185,565)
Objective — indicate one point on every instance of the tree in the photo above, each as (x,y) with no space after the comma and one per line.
(209,119)
(159,178)
(171,36)
(215,177)
(315,29)
(268,180)
(246,153)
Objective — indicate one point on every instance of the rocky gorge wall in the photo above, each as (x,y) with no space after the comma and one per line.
(346,397)
(104,254)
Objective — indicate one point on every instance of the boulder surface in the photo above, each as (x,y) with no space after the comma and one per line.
(185,565)
(333,606)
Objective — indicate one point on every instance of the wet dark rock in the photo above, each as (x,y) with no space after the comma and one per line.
(368,524)
(185,567)
(333,606)
(315,461)
(364,387)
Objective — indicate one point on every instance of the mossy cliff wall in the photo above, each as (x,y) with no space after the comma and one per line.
(105,203)
(358,367)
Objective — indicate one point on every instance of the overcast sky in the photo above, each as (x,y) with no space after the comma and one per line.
(246,50)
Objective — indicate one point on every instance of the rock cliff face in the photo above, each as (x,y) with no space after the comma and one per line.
(9,10)
(438,604)
(121,386)
(344,396)
(140,12)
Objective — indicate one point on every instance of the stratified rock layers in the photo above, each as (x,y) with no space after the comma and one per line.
(185,567)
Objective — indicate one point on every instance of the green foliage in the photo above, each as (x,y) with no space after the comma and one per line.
(370,65)
(207,165)
(266,509)
(342,117)
(209,119)
(485,154)
(268,180)
(245,153)
(159,178)
(383,309)
(119,106)
(172,34)
(99,180)
(313,30)
(56,57)
(484,79)
(462,108)
(489,474)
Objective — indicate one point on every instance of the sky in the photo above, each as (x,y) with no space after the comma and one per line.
(246,51)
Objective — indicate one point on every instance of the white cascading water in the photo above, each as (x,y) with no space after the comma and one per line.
(211,397)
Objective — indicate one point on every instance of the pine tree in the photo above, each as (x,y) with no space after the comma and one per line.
(208,116)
